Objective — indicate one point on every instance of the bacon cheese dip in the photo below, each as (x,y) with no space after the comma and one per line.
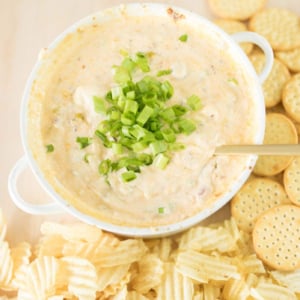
(186,177)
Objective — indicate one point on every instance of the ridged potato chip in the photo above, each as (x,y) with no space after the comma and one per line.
(150,272)
(41,279)
(6,265)
(76,231)
(269,291)
(236,289)
(213,268)
(3,226)
(291,280)
(81,277)
(175,285)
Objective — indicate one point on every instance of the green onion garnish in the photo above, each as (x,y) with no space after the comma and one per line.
(163,72)
(83,141)
(49,148)
(128,176)
(183,38)
(99,104)
(194,102)
(161,161)
(161,210)
(139,126)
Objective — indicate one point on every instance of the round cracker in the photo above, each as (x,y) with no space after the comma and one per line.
(254,198)
(233,26)
(279,130)
(279,26)
(274,84)
(236,9)
(291,181)
(291,97)
(290,58)
(276,237)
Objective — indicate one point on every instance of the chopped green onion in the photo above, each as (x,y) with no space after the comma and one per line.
(161,161)
(233,80)
(158,147)
(49,148)
(144,115)
(167,88)
(128,64)
(131,106)
(104,167)
(128,118)
(122,75)
(104,126)
(179,110)
(168,114)
(86,158)
(117,148)
(106,142)
(163,72)
(116,92)
(139,146)
(145,158)
(161,210)
(176,146)
(183,38)
(138,119)
(83,141)
(128,176)
(130,95)
(194,102)
(142,61)
(187,126)
(168,135)
(99,104)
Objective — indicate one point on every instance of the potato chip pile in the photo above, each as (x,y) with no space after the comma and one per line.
(79,261)
(254,255)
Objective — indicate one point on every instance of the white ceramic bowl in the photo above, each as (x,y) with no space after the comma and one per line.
(61,204)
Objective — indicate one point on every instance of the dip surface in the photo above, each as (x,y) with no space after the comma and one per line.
(61,109)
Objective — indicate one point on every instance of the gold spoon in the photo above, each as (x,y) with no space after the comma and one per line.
(272,149)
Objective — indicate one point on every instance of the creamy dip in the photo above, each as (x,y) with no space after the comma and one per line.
(61,109)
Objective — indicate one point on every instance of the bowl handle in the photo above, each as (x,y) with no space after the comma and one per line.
(261,42)
(34,209)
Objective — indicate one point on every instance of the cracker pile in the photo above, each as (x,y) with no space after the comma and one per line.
(254,255)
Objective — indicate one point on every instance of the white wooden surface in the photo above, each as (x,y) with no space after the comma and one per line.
(25,27)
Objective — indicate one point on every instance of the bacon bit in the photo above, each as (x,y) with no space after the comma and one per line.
(175,15)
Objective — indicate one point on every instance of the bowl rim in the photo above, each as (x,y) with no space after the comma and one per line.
(156,231)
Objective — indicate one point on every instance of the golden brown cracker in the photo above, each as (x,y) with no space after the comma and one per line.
(276,237)
(234,26)
(291,97)
(276,80)
(291,180)
(279,130)
(290,58)
(279,26)
(236,9)
(254,198)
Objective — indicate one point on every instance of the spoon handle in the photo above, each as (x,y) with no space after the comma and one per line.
(276,149)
